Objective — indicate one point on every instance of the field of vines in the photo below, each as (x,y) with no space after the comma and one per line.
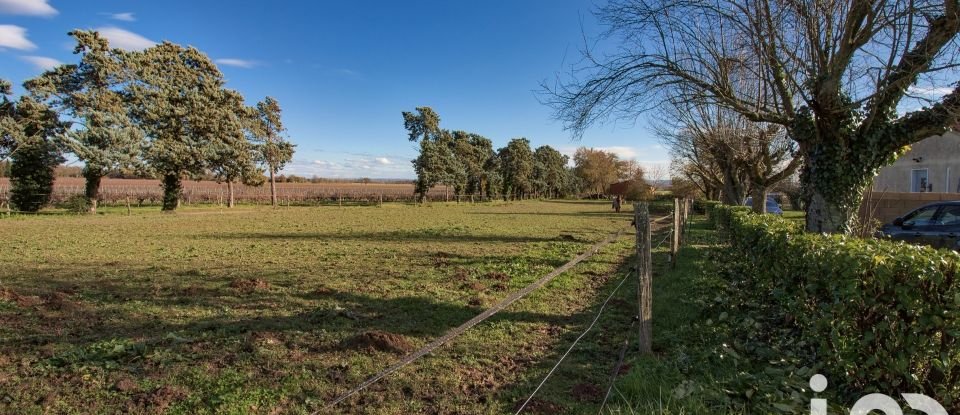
(140,192)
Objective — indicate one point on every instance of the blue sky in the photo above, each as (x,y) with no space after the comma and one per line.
(344,71)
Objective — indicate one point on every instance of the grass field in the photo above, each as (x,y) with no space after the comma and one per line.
(278,311)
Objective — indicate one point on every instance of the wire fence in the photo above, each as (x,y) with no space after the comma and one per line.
(289,195)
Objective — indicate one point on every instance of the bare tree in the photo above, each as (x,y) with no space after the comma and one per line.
(834,74)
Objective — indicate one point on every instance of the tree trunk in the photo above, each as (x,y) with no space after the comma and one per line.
(229,193)
(273,189)
(92,189)
(172,188)
(823,216)
(759,195)
(733,190)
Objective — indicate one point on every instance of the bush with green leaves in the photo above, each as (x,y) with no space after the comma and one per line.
(872,315)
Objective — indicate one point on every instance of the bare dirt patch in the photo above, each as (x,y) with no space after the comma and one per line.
(60,301)
(585,392)
(161,398)
(498,276)
(379,340)
(249,285)
(539,406)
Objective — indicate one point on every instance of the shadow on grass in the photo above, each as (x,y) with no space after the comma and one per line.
(405,235)
(82,315)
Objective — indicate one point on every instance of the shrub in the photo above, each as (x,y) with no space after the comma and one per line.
(75,204)
(877,316)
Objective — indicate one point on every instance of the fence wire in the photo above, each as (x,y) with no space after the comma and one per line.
(567,353)
(454,333)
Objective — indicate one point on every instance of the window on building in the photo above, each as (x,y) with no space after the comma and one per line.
(918,180)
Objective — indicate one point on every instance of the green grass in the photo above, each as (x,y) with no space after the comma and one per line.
(251,310)
(689,350)
(795,215)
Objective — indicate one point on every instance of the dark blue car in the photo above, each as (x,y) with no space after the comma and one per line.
(936,225)
(772,205)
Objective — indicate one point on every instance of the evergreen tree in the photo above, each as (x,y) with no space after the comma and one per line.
(516,168)
(273,150)
(32,127)
(90,92)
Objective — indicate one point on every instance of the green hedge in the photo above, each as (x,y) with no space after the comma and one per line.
(875,316)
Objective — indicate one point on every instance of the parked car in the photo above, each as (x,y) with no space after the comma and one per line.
(772,205)
(937,225)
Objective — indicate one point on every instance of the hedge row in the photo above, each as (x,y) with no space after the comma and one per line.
(875,316)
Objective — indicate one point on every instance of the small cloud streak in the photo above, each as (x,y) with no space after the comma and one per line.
(27,8)
(125,39)
(930,91)
(352,167)
(42,62)
(123,17)
(15,37)
(239,63)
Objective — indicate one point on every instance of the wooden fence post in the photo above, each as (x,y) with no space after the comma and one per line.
(641,217)
(675,236)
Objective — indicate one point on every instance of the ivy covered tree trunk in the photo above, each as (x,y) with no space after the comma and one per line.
(172,189)
(92,188)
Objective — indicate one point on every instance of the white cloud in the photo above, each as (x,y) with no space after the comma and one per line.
(123,17)
(27,7)
(42,62)
(124,39)
(930,91)
(352,167)
(15,37)
(240,63)
(626,153)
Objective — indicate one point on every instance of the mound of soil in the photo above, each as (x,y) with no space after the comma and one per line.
(499,276)
(249,285)
(474,286)
(60,301)
(585,392)
(161,398)
(539,406)
(380,341)
(20,300)
(441,259)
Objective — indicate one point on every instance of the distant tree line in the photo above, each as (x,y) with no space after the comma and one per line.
(161,112)
(468,163)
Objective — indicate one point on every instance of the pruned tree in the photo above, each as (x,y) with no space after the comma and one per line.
(834,75)
(274,152)
(721,147)
(89,94)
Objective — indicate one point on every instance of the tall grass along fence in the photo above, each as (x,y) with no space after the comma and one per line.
(873,316)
